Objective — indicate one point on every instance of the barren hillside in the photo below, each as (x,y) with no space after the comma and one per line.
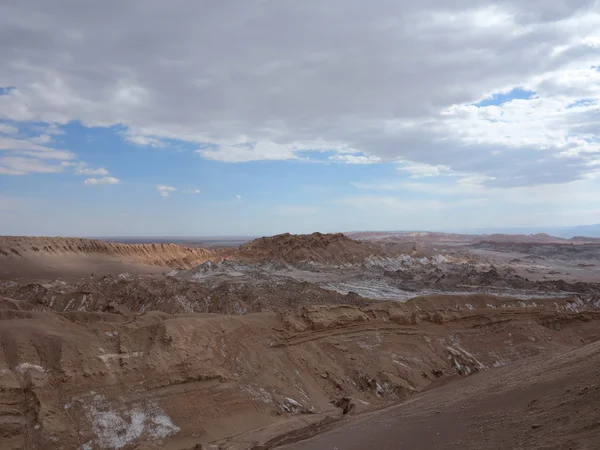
(154,254)
(548,402)
(47,258)
(287,336)
(323,248)
(102,380)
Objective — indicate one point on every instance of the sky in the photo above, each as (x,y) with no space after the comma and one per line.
(197,118)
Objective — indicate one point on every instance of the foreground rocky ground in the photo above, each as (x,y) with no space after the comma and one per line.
(268,345)
(549,402)
(102,380)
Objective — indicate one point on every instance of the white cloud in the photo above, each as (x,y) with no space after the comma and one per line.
(355,159)
(191,191)
(17,165)
(418,170)
(42,139)
(81,168)
(592,41)
(21,156)
(144,141)
(435,60)
(90,171)
(260,151)
(165,191)
(31,148)
(238,197)
(8,129)
(103,180)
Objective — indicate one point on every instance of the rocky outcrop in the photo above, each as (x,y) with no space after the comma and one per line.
(317,247)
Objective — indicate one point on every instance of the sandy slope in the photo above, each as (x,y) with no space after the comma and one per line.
(155,254)
(550,403)
(99,380)
(241,354)
(49,258)
(46,258)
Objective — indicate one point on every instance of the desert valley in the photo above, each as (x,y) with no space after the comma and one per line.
(300,225)
(352,341)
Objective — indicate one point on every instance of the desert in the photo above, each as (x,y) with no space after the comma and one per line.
(349,341)
(299,225)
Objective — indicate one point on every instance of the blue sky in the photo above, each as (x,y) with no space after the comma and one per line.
(451,116)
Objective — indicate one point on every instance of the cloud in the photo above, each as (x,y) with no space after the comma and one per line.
(435,62)
(103,180)
(165,191)
(32,149)
(90,171)
(260,151)
(418,170)
(17,165)
(8,129)
(144,141)
(82,169)
(21,156)
(355,159)
(191,191)
(238,197)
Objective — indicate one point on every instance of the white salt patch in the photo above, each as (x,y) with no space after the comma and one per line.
(258,393)
(575,306)
(111,356)
(293,402)
(24,367)
(83,302)
(184,303)
(116,427)
(366,347)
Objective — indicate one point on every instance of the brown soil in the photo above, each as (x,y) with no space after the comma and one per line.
(126,294)
(170,255)
(323,248)
(118,380)
(549,402)
(251,353)
(48,258)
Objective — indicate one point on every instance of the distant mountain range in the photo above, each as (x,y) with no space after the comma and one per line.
(564,232)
